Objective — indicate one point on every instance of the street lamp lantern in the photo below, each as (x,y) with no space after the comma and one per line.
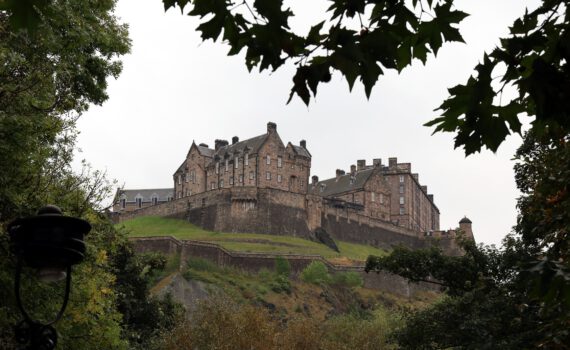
(51,243)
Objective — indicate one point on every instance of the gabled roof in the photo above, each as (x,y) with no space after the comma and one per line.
(301,151)
(205,151)
(252,145)
(146,194)
(331,187)
(181,167)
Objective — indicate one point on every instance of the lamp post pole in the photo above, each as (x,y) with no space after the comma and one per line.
(51,243)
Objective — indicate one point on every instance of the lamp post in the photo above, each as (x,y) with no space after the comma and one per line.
(51,243)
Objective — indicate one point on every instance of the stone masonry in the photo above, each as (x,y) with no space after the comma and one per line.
(261,185)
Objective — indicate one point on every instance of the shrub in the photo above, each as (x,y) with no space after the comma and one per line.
(282,266)
(348,279)
(316,272)
(281,284)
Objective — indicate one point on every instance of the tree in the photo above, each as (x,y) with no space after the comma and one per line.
(512,298)
(363,38)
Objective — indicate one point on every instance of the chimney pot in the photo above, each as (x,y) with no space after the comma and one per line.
(352,169)
(339,173)
(377,162)
(303,144)
(220,143)
(361,164)
(315,179)
(271,127)
(204,145)
(235,140)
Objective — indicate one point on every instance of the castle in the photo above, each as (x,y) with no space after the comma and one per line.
(262,185)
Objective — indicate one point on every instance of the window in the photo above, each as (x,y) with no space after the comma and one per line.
(193,176)
(227,162)
(373,197)
(154,200)
(217,167)
(292,166)
(231,180)
(123,203)
(268,159)
(186,177)
(402,211)
(237,162)
(268,175)
(278,177)
(279,162)
(251,175)
(221,183)
(401,178)
(139,202)
(401,200)
(179,179)
(381,198)
(169,198)
(246,159)
(213,185)
(241,179)
(401,188)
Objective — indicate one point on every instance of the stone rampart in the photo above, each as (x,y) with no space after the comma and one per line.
(254,262)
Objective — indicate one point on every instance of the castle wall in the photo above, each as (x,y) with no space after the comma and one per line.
(254,262)
(359,229)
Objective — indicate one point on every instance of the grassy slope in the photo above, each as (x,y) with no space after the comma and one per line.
(245,242)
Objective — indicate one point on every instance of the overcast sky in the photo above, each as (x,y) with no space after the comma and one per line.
(175,89)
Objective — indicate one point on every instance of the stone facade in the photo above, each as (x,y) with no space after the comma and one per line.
(261,162)
(131,200)
(261,185)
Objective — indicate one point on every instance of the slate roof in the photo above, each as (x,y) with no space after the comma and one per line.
(253,145)
(301,151)
(205,151)
(147,194)
(333,187)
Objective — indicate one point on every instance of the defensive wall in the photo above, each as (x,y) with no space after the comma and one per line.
(254,262)
(278,212)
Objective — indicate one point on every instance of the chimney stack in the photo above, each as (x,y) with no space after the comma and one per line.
(392,162)
(303,144)
(352,169)
(416,177)
(204,145)
(235,140)
(424,188)
(377,162)
(219,144)
(339,173)
(430,196)
(271,127)
(315,179)
(361,164)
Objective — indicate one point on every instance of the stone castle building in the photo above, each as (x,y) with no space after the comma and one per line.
(262,185)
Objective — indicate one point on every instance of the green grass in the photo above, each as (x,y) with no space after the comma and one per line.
(244,242)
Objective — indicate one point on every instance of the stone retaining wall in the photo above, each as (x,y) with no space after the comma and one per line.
(256,261)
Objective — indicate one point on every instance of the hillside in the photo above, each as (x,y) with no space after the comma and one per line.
(350,253)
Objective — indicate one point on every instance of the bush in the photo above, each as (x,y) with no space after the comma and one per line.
(348,279)
(281,284)
(282,266)
(316,272)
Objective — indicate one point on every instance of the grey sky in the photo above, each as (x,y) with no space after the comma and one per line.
(175,89)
